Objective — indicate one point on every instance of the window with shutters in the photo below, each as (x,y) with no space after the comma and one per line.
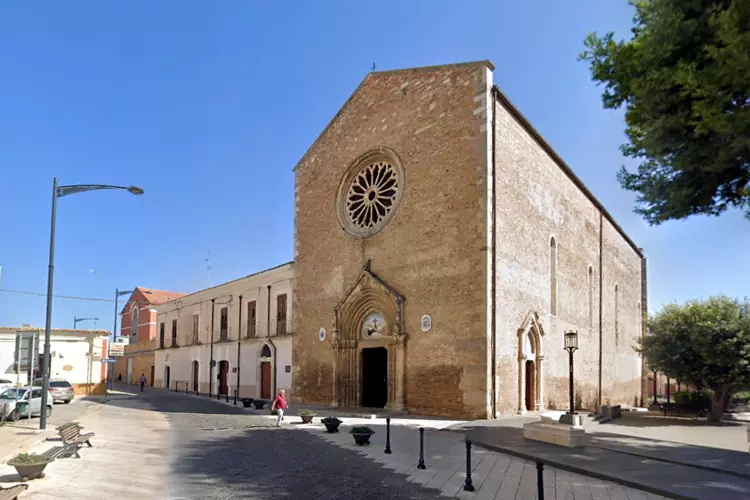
(196,328)
(174,333)
(281,314)
(251,317)
(224,328)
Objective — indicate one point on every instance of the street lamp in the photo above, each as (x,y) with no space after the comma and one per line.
(59,192)
(78,320)
(571,345)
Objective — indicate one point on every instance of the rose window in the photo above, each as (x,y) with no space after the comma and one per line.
(370,192)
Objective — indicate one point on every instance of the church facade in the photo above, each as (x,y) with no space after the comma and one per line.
(443,249)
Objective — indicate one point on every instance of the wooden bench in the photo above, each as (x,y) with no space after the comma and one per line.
(12,492)
(72,439)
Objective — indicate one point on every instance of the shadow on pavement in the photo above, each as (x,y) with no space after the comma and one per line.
(279,463)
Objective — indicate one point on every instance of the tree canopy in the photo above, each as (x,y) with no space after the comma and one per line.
(684,80)
(706,343)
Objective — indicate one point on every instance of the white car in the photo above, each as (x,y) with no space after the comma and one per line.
(16,403)
(6,384)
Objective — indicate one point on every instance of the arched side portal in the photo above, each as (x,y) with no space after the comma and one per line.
(530,365)
(369,346)
(266,371)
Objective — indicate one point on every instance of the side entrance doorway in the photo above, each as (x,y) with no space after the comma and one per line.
(375,377)
(166,377)
(195,375)
(153,374)
(265,380)
(223,374)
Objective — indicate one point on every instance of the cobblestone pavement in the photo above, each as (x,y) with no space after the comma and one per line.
(221,452)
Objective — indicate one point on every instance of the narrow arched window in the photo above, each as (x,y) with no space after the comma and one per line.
(617,313)
(553,276)
(134,321)
(591,297)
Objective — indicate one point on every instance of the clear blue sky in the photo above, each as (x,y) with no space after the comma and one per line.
(209,105)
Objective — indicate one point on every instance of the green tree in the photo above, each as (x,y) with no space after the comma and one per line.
(704,342)
(684,80)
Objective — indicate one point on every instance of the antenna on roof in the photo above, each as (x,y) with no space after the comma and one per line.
(207,260)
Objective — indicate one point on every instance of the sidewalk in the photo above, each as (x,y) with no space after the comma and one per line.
(639,467)
(494,475)
(128,458)
(19,437)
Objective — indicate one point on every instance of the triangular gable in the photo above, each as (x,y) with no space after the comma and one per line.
(373,74)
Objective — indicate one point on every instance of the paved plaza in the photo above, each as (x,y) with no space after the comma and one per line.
(165,445)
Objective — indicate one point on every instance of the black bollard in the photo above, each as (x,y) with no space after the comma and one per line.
(421,464)
(388,436)
(235,397)
(176,384)
(186,387)
(468,485)
(218,396)
(540,479)
(227,400)
(197,391)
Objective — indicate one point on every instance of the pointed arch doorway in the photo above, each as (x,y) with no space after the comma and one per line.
(530,365)
(369,346)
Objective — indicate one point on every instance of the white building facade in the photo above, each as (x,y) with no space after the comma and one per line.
(232,337)
(75,356)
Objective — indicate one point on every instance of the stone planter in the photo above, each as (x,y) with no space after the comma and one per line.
(361,435)
(362,439)
(332,424)
(247,402)
(306,419)
(29,471)
(259,404)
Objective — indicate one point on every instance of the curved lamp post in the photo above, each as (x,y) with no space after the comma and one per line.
(78,320)
(59,192)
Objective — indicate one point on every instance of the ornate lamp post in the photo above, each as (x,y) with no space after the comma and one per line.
(58,192)
(571,345)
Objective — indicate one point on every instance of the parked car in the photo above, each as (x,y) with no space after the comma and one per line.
(6,384)
(61,390)
(18,402)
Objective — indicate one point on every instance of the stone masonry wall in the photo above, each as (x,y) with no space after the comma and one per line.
(537,201)
(433,251)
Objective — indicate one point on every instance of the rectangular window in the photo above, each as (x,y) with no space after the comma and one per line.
(251,313)
(281,314)
(174,333)
(161,335)
(196,328)
(224,331)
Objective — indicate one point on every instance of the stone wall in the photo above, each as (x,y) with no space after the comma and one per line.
(433,250)
(538,202)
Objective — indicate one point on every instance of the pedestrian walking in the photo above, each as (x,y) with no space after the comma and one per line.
(143,381)
(279,404)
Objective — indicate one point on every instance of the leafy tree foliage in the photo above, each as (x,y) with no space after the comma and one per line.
(704,342)
(684,79)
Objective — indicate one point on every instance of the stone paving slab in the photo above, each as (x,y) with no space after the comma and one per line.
(21,436)
(667,479)
(127,459)
(494,475)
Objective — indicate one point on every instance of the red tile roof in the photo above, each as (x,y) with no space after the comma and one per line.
(158,296)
